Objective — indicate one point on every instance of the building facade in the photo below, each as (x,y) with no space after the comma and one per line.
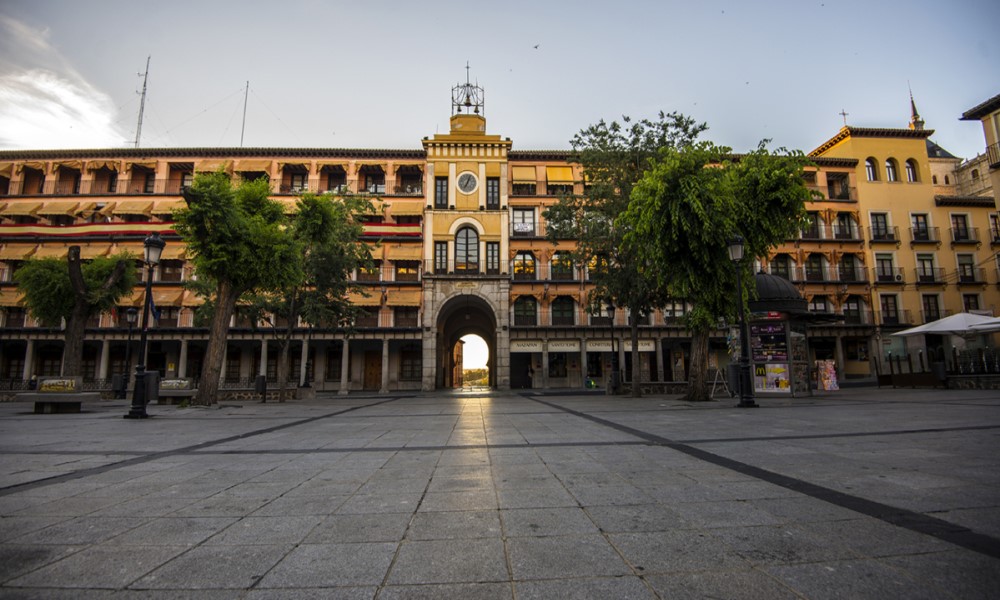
(460,248)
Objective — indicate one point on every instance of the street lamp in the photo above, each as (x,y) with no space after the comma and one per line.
(746,383)
(131,316)
(615,376)
(153,247)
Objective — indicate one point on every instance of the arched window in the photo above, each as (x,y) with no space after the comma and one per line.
(975,173)
(911,170)
(467,250)
(562,267)
(890,170)
(934,179)
(871,169)
(524,265)
(525,311)
(563,311)
(947,180)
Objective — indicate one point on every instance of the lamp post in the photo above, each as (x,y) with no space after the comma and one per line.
(153,247)
(131,316)
(615,376)
(746,382)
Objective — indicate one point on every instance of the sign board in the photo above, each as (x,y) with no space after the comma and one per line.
(564,345)
(526,345)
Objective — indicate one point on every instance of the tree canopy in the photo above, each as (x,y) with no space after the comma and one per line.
(685,210)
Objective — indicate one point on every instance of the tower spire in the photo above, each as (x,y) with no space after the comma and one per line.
(916,123)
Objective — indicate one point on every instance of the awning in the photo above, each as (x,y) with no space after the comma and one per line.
(38,166)
(165,207)
(247,166)
(16,251)
(10,297)
(89,252)
(59,208)
(6,169)
(174,252)
(133,207)
(51,252)
(325,166)
(60,251)
(559,175)
(295,167)
(149,164)
(25,208)
(523,174)
(406,208)
(107,209)
(68,164)
(404,298)
(192,299)
(210,166)
(161,298)
(374,298)
(94,165)
(404,252)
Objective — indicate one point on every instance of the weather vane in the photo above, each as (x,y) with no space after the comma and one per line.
(467,97)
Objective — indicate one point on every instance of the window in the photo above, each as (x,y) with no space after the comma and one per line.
(410,366)
(336,178)
(562,267)
(849,269)
(557,364)
(171,270)
(298,182)
(880,227)
(440,192)
(838,186)
(373,179)
(404,316)
(934,179)
(814,268)
(492,193)
(818,304)
(921,231)
(811,230)
(852,310)
(781,266)
(966,268)
(947,180)
(960,228)
(367,316)
(408,271)
(890,170)
(925,268)
(370,273)
(994,227)
(467,250)
(523,221)
(563,311)
(970,302)
(884,270)
(524,266)
(167,316)
(673,311)
(975,173)
(911,170)
(843,229)
(187,178)
(932,311)
(871,169)
(148,183)
(525,311)
(890,309)
(440,257)
(493,258)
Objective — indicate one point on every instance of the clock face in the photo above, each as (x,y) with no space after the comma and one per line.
(467,182)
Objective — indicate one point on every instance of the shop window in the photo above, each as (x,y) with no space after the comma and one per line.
(557,364)
(410,365)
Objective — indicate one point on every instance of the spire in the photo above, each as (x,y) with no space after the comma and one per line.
(916,122)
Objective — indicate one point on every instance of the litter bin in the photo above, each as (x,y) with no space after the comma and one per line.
(260,386)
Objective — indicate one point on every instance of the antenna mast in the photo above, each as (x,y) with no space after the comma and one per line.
(244,127)
(142,103)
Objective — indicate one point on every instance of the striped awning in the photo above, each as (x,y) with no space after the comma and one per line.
(413,252)
(404,298)
(406,208)
(523,174)
(374,298)
(59,208)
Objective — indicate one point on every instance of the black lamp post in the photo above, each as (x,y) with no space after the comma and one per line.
(153,247)
(746,382)
(615,375)
(131,316)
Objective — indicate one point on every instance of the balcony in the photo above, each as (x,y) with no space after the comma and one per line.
(888,275)
(970,276)
(857,317)
(846,234)
(993,155)
(929,276)
(883,235)
(895,317)
(964,235)
(409,189)
(925,235)
(852,275)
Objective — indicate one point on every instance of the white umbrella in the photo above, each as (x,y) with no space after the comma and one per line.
(957,324)
(992,324)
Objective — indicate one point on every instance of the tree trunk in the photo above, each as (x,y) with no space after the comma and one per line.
(76,324)
(636,366)
(698,378)
(208,385)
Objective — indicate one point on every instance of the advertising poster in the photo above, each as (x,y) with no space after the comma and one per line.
(772,377)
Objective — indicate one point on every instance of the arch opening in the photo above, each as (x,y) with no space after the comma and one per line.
(465,315)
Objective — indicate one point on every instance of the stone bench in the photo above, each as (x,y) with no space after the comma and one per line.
(59,395)
(176,391)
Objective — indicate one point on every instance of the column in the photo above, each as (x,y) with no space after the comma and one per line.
(303,371)
(102,366)
(29,360)
(583,362)
(183,360)
(661,375)
(345,361)
(263,358)
(385,368)
(545,365)
(839,353)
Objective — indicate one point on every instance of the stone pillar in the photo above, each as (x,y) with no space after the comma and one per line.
(303,370)
(545,366)
(29,360)
(263,358)
(839,354)
(661,375)
(345,362)
(385,368)
(102,366)
(583,362)
(183,360)
(319,365)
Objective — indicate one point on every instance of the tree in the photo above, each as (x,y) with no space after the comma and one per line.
(685,210)
(614,157)
(73,290)
(238,239)
(328,232)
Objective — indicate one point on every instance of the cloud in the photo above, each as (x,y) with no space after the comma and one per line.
(44,102)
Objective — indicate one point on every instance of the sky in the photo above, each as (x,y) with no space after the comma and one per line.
(378,73)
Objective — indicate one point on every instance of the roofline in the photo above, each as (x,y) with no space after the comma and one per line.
(846,132)
(211,152)
(982,201)
(981,110)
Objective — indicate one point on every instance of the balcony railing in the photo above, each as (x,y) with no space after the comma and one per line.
(925,235)
(409,189)
(896,317)
(886,235)
(964,235)
(857,317)
(970,275)
(927,276)
(841,193)
(993,155)
(887,275)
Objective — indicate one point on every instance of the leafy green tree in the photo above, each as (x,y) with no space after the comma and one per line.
(237,238)
(685,210)
(328,230)
(73,290)
(614,157)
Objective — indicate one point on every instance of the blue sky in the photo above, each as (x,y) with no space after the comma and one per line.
(378,74)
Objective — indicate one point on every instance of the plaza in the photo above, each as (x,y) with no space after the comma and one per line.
(860,493)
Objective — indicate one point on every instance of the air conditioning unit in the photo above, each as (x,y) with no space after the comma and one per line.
(899,278)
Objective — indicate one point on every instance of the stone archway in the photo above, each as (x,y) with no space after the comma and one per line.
(464,314)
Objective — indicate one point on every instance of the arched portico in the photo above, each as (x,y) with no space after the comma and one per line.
(463,314)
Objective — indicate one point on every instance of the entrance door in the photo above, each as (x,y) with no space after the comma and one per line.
(373,370)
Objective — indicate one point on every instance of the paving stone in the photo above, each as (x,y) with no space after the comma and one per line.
(215,567)
(851,579)
(174,531)
(535,522)
(619,588)
(331,565)
(457,591)
(266,530)
(564,557)
(450,561)
(381,527)
(454,525)
(639,517)
(103,566)
(459,501)
(81,530)
(678,550)
(720,584)
(22,558)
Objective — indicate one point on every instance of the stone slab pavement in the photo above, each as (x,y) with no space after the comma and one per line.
(861,493)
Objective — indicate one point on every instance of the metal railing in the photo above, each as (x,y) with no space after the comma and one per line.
(970,275)
(964,235)
(929,275)
(889,235)
(888,275)
(925,235)
(898,317)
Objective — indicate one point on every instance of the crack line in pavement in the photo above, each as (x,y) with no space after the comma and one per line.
(901,517)
(29,485)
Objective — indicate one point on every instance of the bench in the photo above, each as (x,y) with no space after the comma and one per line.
(176,391)
(59,395)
